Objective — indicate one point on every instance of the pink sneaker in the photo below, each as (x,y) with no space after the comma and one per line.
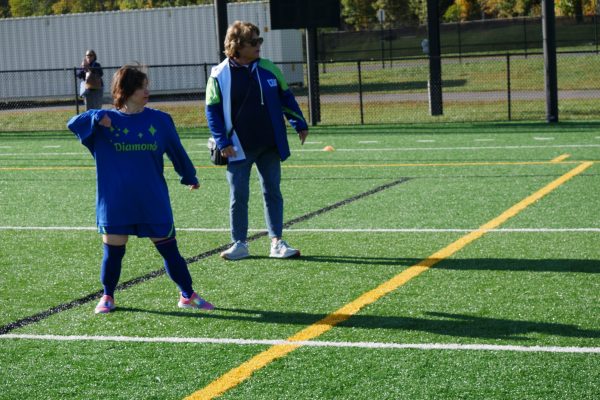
(194,302)
(106,305)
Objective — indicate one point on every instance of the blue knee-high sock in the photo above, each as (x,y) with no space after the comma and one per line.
(110,270)
(175,265)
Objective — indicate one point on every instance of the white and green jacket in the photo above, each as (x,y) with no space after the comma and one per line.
(275,93)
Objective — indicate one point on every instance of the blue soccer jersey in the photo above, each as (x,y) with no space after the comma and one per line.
(131,188)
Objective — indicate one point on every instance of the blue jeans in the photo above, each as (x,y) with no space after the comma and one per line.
(268,164)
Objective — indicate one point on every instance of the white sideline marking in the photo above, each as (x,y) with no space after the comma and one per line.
(542,138)
(267,342)
(333,230)
(484,140)
(313,142)
(368,141)
(425,140)
(458,148)
(51,147)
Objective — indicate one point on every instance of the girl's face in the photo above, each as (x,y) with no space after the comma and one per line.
(140,96)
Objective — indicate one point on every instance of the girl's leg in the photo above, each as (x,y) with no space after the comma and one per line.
(110,270)
(175,264)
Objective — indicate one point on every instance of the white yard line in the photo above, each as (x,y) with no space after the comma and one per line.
(267,342)
(461,148)
(332,230)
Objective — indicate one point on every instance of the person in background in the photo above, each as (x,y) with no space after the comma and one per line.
(132,198)
(91,73)
(246,99)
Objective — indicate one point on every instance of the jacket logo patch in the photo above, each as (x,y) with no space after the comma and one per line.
(272,82)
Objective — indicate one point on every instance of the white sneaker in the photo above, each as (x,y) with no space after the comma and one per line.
(281,249)
(237,251)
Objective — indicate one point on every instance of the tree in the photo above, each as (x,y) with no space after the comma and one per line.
(358,13)
(81,6)
(4,9)
(462,10)
(396,11)
(418,8)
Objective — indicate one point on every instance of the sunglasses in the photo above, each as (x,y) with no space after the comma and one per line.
(255,42)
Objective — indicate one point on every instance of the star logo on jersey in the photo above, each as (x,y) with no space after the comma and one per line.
(272,82)
(152,130)
(125,131)
(140,135)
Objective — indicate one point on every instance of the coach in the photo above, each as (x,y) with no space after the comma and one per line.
(246,99)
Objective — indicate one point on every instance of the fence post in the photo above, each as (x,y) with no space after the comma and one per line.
(360,93)
(508,94)
(382,46)
(525,35)
(596,31)
(76,90)
(459,43)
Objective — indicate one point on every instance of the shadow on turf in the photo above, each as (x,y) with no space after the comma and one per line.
(446,324)
(483,264)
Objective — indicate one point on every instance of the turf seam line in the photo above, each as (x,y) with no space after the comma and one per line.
(244,371)
(154,274)
(312,343)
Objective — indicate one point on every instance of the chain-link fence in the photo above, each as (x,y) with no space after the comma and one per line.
(495,87)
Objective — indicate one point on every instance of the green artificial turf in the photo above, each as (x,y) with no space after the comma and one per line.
(387,198)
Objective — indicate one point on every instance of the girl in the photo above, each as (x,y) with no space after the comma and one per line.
(128,144)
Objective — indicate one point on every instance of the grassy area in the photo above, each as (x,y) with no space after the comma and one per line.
(575,71)
(390,196)
(188,118)
(469,75)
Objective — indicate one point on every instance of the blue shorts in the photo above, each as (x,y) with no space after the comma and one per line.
(140,230)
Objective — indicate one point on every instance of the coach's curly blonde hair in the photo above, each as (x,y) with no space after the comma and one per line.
(237,34)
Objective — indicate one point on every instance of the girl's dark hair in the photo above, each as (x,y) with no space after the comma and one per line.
(125,82)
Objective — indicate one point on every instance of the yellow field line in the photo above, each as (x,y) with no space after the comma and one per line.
(238,374)
(560,158)
(457,164)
